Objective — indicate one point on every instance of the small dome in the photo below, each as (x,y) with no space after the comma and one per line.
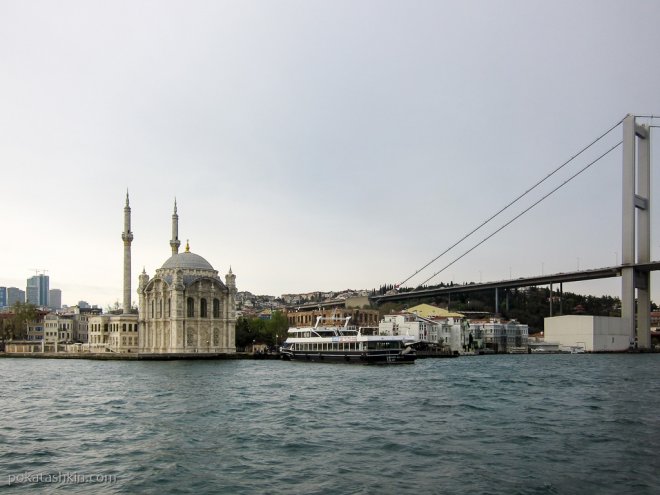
(187,260)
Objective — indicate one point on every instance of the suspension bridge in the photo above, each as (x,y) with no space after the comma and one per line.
(636,264)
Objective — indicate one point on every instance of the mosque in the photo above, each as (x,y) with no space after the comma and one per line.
(184,309)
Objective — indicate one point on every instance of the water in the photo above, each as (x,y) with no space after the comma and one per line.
(550,424)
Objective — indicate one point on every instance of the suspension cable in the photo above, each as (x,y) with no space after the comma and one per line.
(513,202)
(524,211)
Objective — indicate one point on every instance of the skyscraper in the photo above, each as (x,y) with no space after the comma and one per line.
(3,297)
(15,295)
(55,298)
(37,290)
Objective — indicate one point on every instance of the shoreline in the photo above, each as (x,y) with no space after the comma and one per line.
(134,357)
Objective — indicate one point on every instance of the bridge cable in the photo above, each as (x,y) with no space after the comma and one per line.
(514,201)
(524,211)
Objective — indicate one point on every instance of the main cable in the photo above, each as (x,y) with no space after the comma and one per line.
(523,212)
(513,202)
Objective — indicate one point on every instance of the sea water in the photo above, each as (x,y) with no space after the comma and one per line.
(528,424)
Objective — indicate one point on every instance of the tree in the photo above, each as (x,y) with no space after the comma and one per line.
(15,327)
(271,332)
(277,327)
(113,308)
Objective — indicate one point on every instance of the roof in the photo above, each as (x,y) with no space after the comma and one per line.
(427,311)
(187,260)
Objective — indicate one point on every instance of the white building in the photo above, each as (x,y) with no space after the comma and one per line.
(71,326)
(591,333)
(186,307)
(500,336)
(450,332)
(113,333)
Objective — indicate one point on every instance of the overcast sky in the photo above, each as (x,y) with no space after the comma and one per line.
(317,145)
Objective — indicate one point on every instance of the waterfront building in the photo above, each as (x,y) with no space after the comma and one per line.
(113,333)
(35,330)
(655,320)
(359,317)
(185,307)
(15,295)
(37,289)
(55,299)
(58,328)
(450,332)
(68,327)
(587,333)
(499,335)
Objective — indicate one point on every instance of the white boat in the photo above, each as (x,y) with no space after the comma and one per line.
(346,343)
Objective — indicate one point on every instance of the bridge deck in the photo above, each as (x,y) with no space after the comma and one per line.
(556,278)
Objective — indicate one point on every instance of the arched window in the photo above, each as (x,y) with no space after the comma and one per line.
(153,303)
(202,308)
(160,308)
(216,308)
(190,308)
(169,308)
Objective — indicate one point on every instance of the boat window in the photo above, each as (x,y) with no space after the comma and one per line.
(383,345)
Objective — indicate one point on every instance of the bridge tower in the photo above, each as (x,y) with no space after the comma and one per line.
(636,238)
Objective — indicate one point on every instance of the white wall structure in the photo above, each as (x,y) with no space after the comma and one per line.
(447,331)
(499,335)
(113,333)
(594,333)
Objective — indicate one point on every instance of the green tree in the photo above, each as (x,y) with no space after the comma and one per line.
(15,327)
(270,332)
(277,328)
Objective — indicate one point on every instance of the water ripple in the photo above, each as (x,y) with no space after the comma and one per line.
(487,424)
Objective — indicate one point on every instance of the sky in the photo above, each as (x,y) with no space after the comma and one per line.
(318,145)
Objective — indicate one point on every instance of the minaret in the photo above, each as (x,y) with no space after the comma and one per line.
(175,243)
(127,237)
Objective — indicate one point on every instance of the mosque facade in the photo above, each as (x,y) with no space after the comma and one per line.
(186,308)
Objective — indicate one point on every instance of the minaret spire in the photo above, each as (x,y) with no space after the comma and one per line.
(175,242)
(127,237)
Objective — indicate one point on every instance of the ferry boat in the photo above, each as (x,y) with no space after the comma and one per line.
(346,343)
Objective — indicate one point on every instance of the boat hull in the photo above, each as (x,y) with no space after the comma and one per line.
(349,357)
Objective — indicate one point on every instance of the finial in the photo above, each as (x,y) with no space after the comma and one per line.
(230,272)
(175,205)
(127,197)
(187,246)
(144,271)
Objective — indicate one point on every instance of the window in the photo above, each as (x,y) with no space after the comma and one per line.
(216,308)
(152,308)
(190,308)
(202,308)
(169,306)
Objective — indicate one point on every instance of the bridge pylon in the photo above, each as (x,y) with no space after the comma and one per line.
(636,231)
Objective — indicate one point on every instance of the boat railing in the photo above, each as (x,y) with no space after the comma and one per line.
(333,319)
(368,331)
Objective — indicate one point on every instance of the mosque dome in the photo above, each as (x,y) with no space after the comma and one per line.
(187,260)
